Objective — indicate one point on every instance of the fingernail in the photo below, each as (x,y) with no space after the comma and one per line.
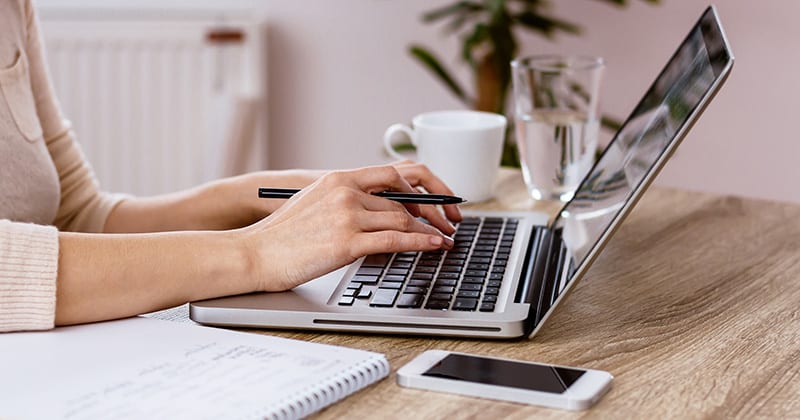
(449,241)
(436,241)
(452,228)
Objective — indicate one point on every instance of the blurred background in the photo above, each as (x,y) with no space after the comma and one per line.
(166,94)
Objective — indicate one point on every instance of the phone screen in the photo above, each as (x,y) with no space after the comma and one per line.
(523,375)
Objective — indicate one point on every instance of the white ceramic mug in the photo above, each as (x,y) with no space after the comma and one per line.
(462,148)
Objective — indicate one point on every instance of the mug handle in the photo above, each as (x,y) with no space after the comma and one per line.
(390,132)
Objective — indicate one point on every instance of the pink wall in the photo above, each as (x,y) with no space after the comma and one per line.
(340,75)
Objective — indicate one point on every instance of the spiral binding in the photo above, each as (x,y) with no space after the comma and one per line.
(331,389)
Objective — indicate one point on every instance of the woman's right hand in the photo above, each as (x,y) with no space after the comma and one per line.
(333,222)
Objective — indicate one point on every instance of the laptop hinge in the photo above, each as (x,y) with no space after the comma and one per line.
(546,262)
(533,268)
(552,275)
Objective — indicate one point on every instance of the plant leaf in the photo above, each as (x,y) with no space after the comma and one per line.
(545,25)
(623,3)
(432,63)
(455,8)
(479,34)
(610,123)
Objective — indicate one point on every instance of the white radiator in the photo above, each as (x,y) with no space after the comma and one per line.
(155,98)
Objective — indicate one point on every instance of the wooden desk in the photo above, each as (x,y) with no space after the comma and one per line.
(694,306)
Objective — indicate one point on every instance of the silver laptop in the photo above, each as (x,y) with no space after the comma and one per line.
(508,271)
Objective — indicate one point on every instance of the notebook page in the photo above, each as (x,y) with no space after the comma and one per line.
(146,368)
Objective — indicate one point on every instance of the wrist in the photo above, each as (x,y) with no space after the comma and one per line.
(227,265)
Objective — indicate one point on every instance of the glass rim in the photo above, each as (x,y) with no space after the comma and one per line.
(557,62)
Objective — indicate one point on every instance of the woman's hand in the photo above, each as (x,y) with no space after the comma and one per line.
(252,208)
(336,220)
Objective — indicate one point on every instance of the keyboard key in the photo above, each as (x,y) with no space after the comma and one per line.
(364,294)
(465,304)
(346,301)
(384,297)
(349,292)
(468,294)
(453,261)
(430,255)
(419,283)
(447,276)
(437,304)
(480,260)
(454,269)
(471,286)
(496,276)
(490,298)
(425,269)
(487,307)
(365,279)
(421,276)
(441,296)
(500,263)
(443,289)
(492,291)
(401,264)
(391,285)
(354,285)
(428,263)
(407,300)
(494,283)
(475,267)
(475,280)
(397,271)
(369,271)
(415,290)
(475,273)
(376,260)
(394,277)
(446,282)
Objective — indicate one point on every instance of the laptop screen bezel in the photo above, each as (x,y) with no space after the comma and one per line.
(721,72)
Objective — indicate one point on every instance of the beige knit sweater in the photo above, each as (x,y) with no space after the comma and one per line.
(45,182)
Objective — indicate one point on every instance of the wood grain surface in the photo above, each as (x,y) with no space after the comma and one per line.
(693,307)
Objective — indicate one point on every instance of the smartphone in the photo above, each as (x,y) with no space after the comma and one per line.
(505,379)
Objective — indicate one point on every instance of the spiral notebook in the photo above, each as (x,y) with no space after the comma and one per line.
(141,368)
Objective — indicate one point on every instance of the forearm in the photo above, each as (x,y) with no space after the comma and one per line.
(225,204)
(104,277)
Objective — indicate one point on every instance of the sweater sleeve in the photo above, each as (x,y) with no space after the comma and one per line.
(83,207)
(28,268)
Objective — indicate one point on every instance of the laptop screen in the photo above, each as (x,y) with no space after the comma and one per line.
(657,122)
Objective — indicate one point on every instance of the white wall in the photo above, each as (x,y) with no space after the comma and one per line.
(339,74)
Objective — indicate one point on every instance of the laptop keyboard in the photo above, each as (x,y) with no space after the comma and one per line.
(465,278)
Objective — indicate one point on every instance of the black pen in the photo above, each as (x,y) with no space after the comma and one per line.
(400,197)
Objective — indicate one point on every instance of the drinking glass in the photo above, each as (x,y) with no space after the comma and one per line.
(556,121)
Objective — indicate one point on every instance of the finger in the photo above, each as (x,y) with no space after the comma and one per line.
(395,220)
(381,178)
(420,175)
(436,218)
(393,241)
(374,203)
(384,178)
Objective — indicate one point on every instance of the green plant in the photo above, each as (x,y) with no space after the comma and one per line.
(487,29)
